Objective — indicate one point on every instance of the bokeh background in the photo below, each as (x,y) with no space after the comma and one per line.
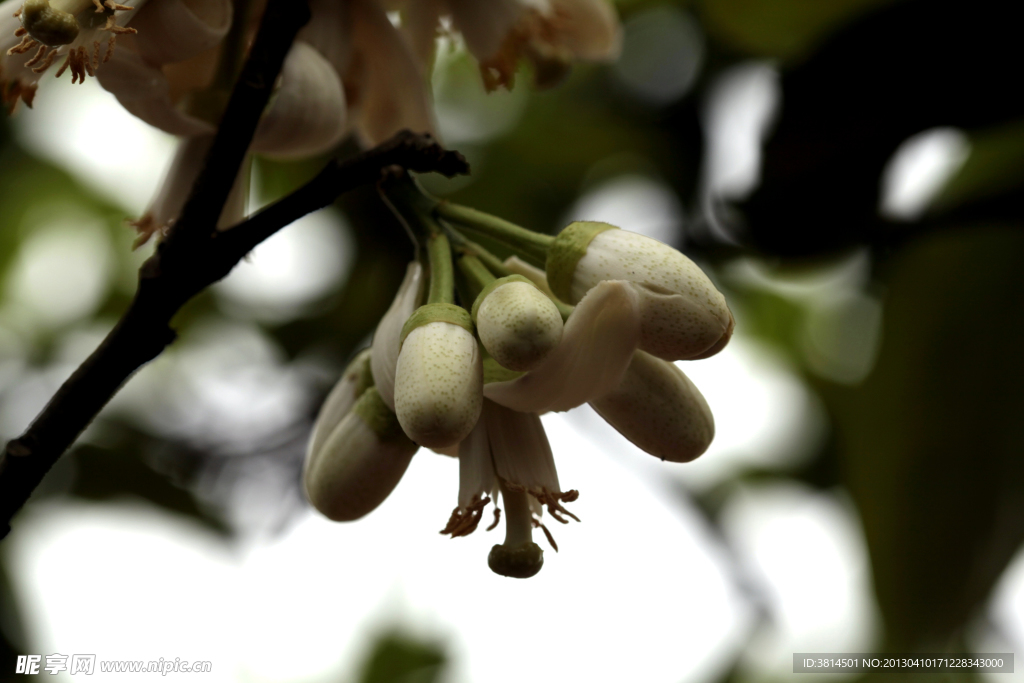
(850,172)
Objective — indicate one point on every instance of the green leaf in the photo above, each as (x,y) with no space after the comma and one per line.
(398,658)
(785,29)
(931,442)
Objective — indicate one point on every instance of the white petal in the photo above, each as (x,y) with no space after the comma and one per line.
(337,404)
(659,409)
(179,178)
(520,448)
(485,25)
(175,30)
(387,86)
(438,382)
(596,348)
(238,199)
(307,113)
(145,92)
(330,32)
(476,470)
(420,25)
(589,29)
(387,338)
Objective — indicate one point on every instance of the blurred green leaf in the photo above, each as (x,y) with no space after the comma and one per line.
(995,164)
(931,443)
(398,658)
(106,475)
(784,29)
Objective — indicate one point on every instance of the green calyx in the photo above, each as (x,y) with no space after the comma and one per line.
(378,417)
(360,371)
(566,251)
(493,285)
(495,371)
(437,313)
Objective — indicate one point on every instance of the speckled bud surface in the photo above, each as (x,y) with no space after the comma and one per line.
(659,409)
(518,325)
(439,384)
(683,314)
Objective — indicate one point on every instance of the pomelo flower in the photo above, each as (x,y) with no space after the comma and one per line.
(508,451)
(73,35)
(350,69)
(550,34)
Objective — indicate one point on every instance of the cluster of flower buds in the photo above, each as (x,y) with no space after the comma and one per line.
(466,366)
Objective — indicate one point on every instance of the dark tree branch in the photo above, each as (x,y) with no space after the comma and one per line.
(195,255)
(281,22)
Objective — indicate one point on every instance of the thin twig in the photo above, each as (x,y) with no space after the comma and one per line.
(195,255)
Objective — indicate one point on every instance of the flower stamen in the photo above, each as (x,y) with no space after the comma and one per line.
(50,57)
(26,44)
(40,53)
(112,26)
(464,520)
(497,518)
(547,534)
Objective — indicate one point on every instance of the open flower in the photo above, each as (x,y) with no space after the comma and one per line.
(349,69)
(75,35)
(654,404)
(507,451)
(550,34)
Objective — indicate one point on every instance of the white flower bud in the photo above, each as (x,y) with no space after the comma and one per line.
(683,315)
(596,348)
(659,409)
(353,382)
(439,377)
(307,113)
(360,462)
(388,337)
(517,324)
